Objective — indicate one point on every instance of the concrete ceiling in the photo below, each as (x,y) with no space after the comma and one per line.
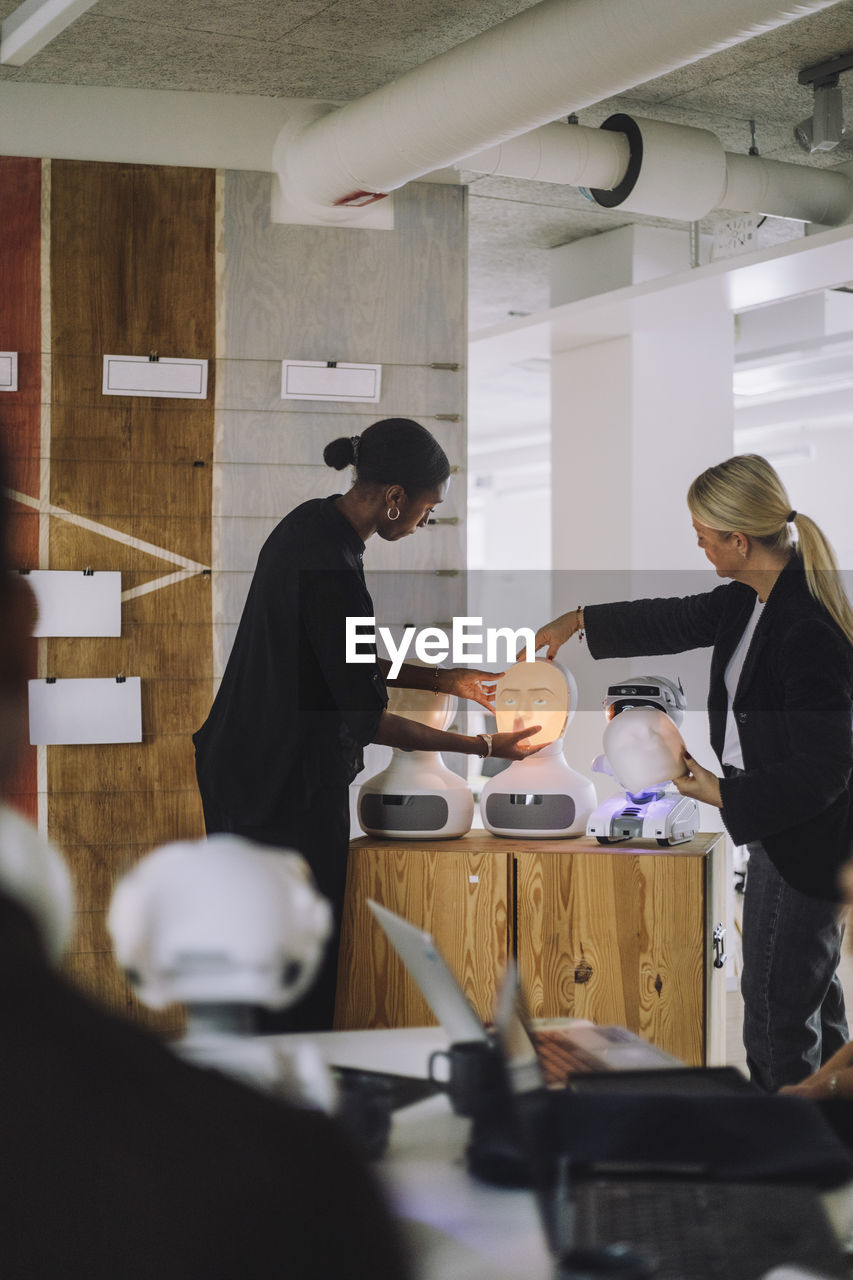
(341,49)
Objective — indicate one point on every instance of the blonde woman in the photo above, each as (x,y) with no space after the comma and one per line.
(780,707)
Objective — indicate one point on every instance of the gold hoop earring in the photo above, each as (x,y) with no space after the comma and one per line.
(396,515)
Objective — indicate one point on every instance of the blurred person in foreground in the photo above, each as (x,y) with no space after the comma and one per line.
(119,1161)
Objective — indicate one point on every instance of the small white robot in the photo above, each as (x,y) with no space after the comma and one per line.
(222,926)
(643,751)
(417,796)
(542,796)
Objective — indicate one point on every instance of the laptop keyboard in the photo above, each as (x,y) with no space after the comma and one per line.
(700,1229)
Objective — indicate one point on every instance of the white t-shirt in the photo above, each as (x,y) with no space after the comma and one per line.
(732,753)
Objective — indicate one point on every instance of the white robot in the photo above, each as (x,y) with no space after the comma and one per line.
(643,751)
(223,926)
(417,796)
(542,796)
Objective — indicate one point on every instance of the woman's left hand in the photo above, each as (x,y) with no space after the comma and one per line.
(699,783)
(465,682)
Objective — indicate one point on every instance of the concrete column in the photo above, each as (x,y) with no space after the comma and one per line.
(635,417)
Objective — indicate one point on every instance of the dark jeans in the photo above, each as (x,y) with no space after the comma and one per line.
(794,1016)
(319,830)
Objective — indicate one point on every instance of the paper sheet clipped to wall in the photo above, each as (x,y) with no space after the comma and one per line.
(65,712)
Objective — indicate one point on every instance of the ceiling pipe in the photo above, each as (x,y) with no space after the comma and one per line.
(552,59)
(667,171)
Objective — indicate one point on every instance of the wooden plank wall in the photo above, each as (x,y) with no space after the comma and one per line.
(132,272)
(20,411)
(134,268)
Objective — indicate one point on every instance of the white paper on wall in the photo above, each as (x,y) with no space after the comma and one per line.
(74,603)
(67,712)
(167,376)
(8,371)
(321,380)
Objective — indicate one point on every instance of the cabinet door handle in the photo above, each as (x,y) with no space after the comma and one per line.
(719,938)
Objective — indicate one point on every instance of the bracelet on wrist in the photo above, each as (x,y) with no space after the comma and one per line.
(486,739)
(579,616)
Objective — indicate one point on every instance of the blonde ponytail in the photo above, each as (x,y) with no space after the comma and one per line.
(745,494)
(822,576)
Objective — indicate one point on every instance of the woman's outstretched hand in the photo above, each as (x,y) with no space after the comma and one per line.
(554,635)
(465,682)
(699,783)
(511,746)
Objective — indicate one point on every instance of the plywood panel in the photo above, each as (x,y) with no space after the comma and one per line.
(150,650)
(100,489)
(462,898)
(132,272)
(162,762)
(96,868)
(122,818)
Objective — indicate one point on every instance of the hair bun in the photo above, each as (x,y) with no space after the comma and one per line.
(339,453)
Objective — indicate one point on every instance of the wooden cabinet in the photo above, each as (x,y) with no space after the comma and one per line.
(619,934)
(458,890)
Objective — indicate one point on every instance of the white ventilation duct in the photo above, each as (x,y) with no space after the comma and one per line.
(554,58)
(667,170)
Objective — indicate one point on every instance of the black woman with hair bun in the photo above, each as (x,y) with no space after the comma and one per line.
(284,737)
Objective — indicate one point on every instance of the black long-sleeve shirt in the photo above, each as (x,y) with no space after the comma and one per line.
(291,712)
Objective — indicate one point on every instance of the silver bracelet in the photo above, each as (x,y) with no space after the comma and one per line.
(487,740)
(832,1087)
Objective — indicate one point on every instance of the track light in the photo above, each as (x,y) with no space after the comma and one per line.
(824,129)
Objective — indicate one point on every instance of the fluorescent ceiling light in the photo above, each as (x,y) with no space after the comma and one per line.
(34,24)
(796,373)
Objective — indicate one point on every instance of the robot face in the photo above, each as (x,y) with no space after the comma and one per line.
(434,709)
(644,748)
(533,693)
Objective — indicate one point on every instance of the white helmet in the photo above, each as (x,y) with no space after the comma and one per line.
(646,691)
(220,920)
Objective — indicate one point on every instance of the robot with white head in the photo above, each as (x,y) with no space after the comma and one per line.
(643,750)
(417,796)
(542,795)
(223,926)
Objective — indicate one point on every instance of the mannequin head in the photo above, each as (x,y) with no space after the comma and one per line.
(539,692)
(644,748)
(422,705)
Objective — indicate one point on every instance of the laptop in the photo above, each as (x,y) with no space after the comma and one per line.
(563,1049)
(671,1223)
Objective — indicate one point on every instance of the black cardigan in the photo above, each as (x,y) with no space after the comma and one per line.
(793,706)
